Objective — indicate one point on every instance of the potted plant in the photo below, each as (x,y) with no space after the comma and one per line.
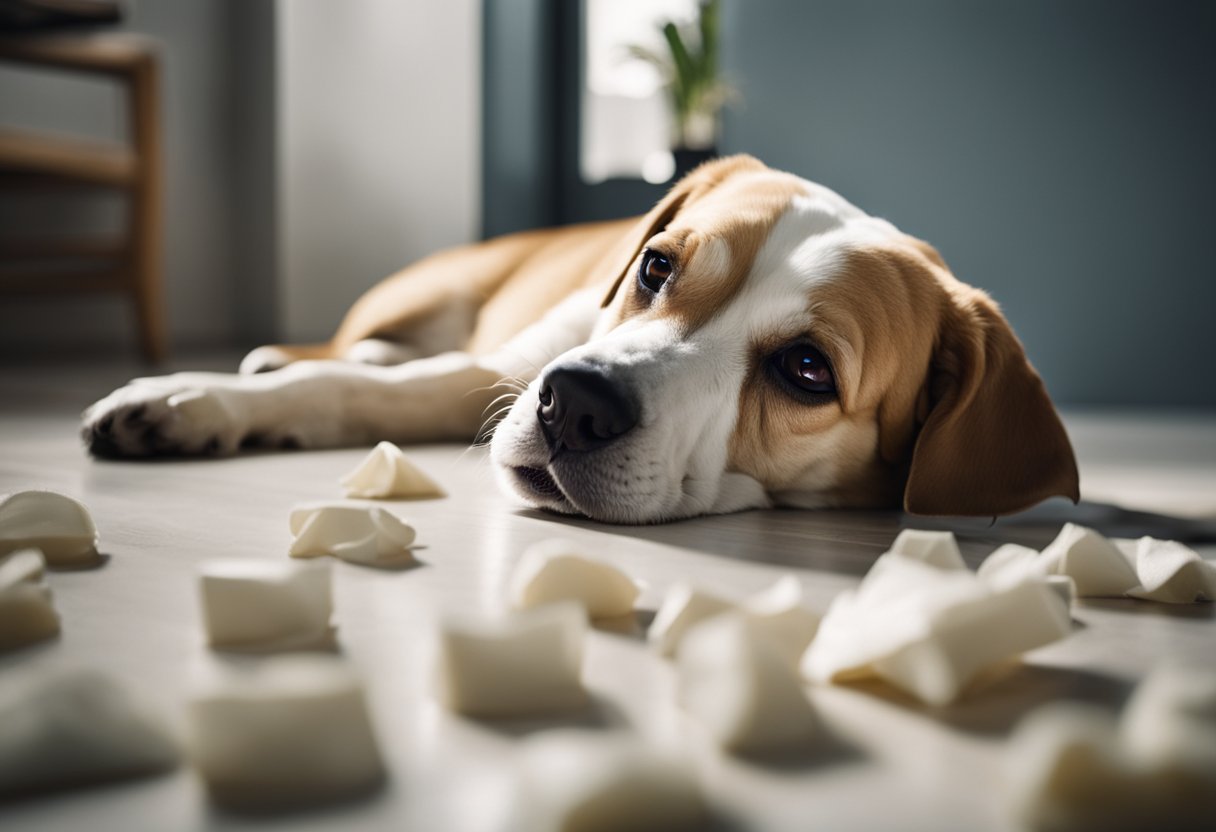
(695,91)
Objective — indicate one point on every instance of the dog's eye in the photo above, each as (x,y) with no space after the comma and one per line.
(805,367)
(654,271)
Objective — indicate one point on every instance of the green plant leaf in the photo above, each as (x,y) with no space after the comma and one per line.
(684,88)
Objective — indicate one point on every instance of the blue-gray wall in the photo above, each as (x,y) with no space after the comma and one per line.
(1060,153)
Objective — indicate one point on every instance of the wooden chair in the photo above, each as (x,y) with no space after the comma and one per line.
(132,262)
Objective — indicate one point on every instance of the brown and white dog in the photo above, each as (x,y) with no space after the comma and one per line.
(754,340)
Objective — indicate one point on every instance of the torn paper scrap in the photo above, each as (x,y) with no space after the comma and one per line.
(742,690)
(579,781)
(1172,573)
(267,606)
(1011,564)
(27,615)
(1074,766)
(69,728)
(929,631)
(289,731)
(526,663)
(682,607)
(780,618)
(55,525)
(1096,566)
(555,570)
(386,473)
(938,549)
(367,535)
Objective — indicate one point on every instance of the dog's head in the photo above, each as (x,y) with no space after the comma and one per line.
(764,341)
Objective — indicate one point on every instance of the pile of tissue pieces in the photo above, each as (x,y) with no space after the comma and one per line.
(297,729)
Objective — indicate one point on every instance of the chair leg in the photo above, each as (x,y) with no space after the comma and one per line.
(145,274)
(146,214)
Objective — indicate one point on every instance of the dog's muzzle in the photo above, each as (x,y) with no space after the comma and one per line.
(582,409)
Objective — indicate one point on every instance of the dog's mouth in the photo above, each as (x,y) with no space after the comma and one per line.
(538,483)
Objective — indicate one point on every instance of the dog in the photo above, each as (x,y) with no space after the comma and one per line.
(755,340)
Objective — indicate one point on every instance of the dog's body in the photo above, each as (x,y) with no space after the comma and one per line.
(754,340)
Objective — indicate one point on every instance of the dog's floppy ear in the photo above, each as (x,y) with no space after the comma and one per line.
(693,186)
(992,443)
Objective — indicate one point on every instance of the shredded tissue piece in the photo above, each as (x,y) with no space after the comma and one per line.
(55,525)
(367,535)
(287,732)
(938,549)
(1156,570)
(683,606)
(553,570)
(777,613)
(267,606)
(743,689)
(929,631)
(387,473)
(63,729)
(1078,767)
(525,663)
(27,615)
(580,781)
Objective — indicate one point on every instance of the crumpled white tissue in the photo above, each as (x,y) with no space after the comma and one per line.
(682,607)
(267,606)
(386,473)
(938,549)
(27,615)
(778,615)
(1156,570)
(368,535)
(579,781)
(930,631)
(742,689)
(62,729)
(522,664)
(1076,767)
(55,525)
(289,731)
(1172,573)
(554,570)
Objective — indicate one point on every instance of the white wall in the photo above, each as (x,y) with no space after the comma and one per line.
(379,146)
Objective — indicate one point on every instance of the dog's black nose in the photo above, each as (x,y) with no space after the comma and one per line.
(581,409)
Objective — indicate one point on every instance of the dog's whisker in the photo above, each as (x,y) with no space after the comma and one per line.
(486,432)
(497,399)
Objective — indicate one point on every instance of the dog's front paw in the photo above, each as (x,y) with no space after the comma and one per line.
(150,419)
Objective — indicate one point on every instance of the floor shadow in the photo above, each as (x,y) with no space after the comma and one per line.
(600,713)
(839,541)
(18,653)
(102,560)
(57,788)
(256,804)
(848,541)
(1139,606)
(997,701)
(633,626)
(1116,521)
(826,749)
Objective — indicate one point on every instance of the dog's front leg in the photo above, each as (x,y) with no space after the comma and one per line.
(325,404)
(310,404)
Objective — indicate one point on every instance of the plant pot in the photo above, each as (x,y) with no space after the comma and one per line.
(687,158)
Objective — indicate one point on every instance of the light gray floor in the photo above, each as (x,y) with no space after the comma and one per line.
(895,764)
